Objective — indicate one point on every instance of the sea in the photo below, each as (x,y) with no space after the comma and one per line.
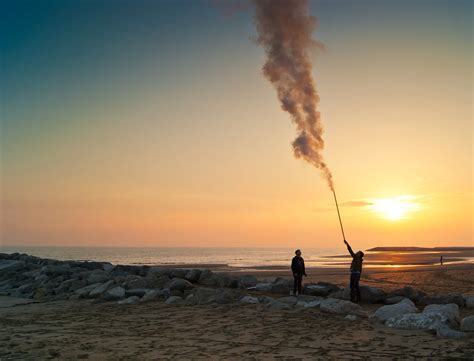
(241,258)
(232,257)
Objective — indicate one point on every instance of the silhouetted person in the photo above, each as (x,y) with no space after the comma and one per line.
(297,267)
(441,260)
(356,270)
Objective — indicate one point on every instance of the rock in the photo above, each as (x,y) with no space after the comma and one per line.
(368,294)
(129,300)
(281,286)
(7,266)
(159,272)
(153,281)
(351,317)
(263,287)
(394,299)
(178,273)
(55,270)
(320,289)
(289,300)
(153,295)
(247,281)
(316,290)
(372,294)
(441,299)
(97,276)
(467,324)
(450,311)
(336,306)
(133,282)
(100,289)
(449,333)
(203,296)
(172,300)
(277,305)
(310,304)
(385,312)
(407,292)
(469,300)
(115,293)
(193,275)
(107,267)
(180,284)
(84,291)
(249,300)
(418,321)
(206,274)
(225,296)
(140,292)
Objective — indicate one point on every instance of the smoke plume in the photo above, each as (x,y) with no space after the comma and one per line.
(284,30)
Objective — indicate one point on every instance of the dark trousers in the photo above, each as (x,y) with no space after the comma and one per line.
(297,286)
(355,290)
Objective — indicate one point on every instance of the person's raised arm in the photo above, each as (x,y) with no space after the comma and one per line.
(349,248)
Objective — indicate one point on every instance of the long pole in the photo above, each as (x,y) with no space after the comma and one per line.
(339,215)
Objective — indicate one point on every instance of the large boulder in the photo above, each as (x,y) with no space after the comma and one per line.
(203,296)
(418,321)
(55,270)
(249,300)
(263,287)
(385,312)
(154,281)
(180,284)
(469,300)
(130,300)
(115,293)
(10,266)
(281,286)
(337,306)
(97,276)
(139,292)
(450,311)
(154,295)
(407,292)
(178,273)
(247,281)
(442,300)
(132,282)
(277,305)
(173,300)
(193,275)
(100,289)
(394,299)
(368,294)
(320,289)
(449,333)
(467,324)
(289,300)
(205,276)
(84,291)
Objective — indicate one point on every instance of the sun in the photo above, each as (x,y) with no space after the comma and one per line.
(395,208)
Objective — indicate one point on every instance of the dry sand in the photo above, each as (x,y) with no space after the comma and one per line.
(72,330)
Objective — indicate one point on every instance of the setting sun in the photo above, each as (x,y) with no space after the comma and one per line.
(394,208)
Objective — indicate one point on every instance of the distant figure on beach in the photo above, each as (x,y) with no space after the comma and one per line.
(441,260)
(298,269)
(356,270)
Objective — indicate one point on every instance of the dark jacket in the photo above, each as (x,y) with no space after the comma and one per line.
(297,265)
(356,265)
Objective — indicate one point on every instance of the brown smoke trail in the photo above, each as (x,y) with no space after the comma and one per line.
(284,30)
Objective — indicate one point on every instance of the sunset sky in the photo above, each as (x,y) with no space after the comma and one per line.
(149,123)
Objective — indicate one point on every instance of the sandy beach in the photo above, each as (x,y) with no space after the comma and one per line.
(88,329)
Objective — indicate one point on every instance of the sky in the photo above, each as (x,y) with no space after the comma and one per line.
(149,123)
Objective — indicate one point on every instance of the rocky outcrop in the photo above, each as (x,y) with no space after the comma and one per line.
(418,321)
(450,311)
(442,300)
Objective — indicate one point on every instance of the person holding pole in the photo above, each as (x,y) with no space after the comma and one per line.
(356,270)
